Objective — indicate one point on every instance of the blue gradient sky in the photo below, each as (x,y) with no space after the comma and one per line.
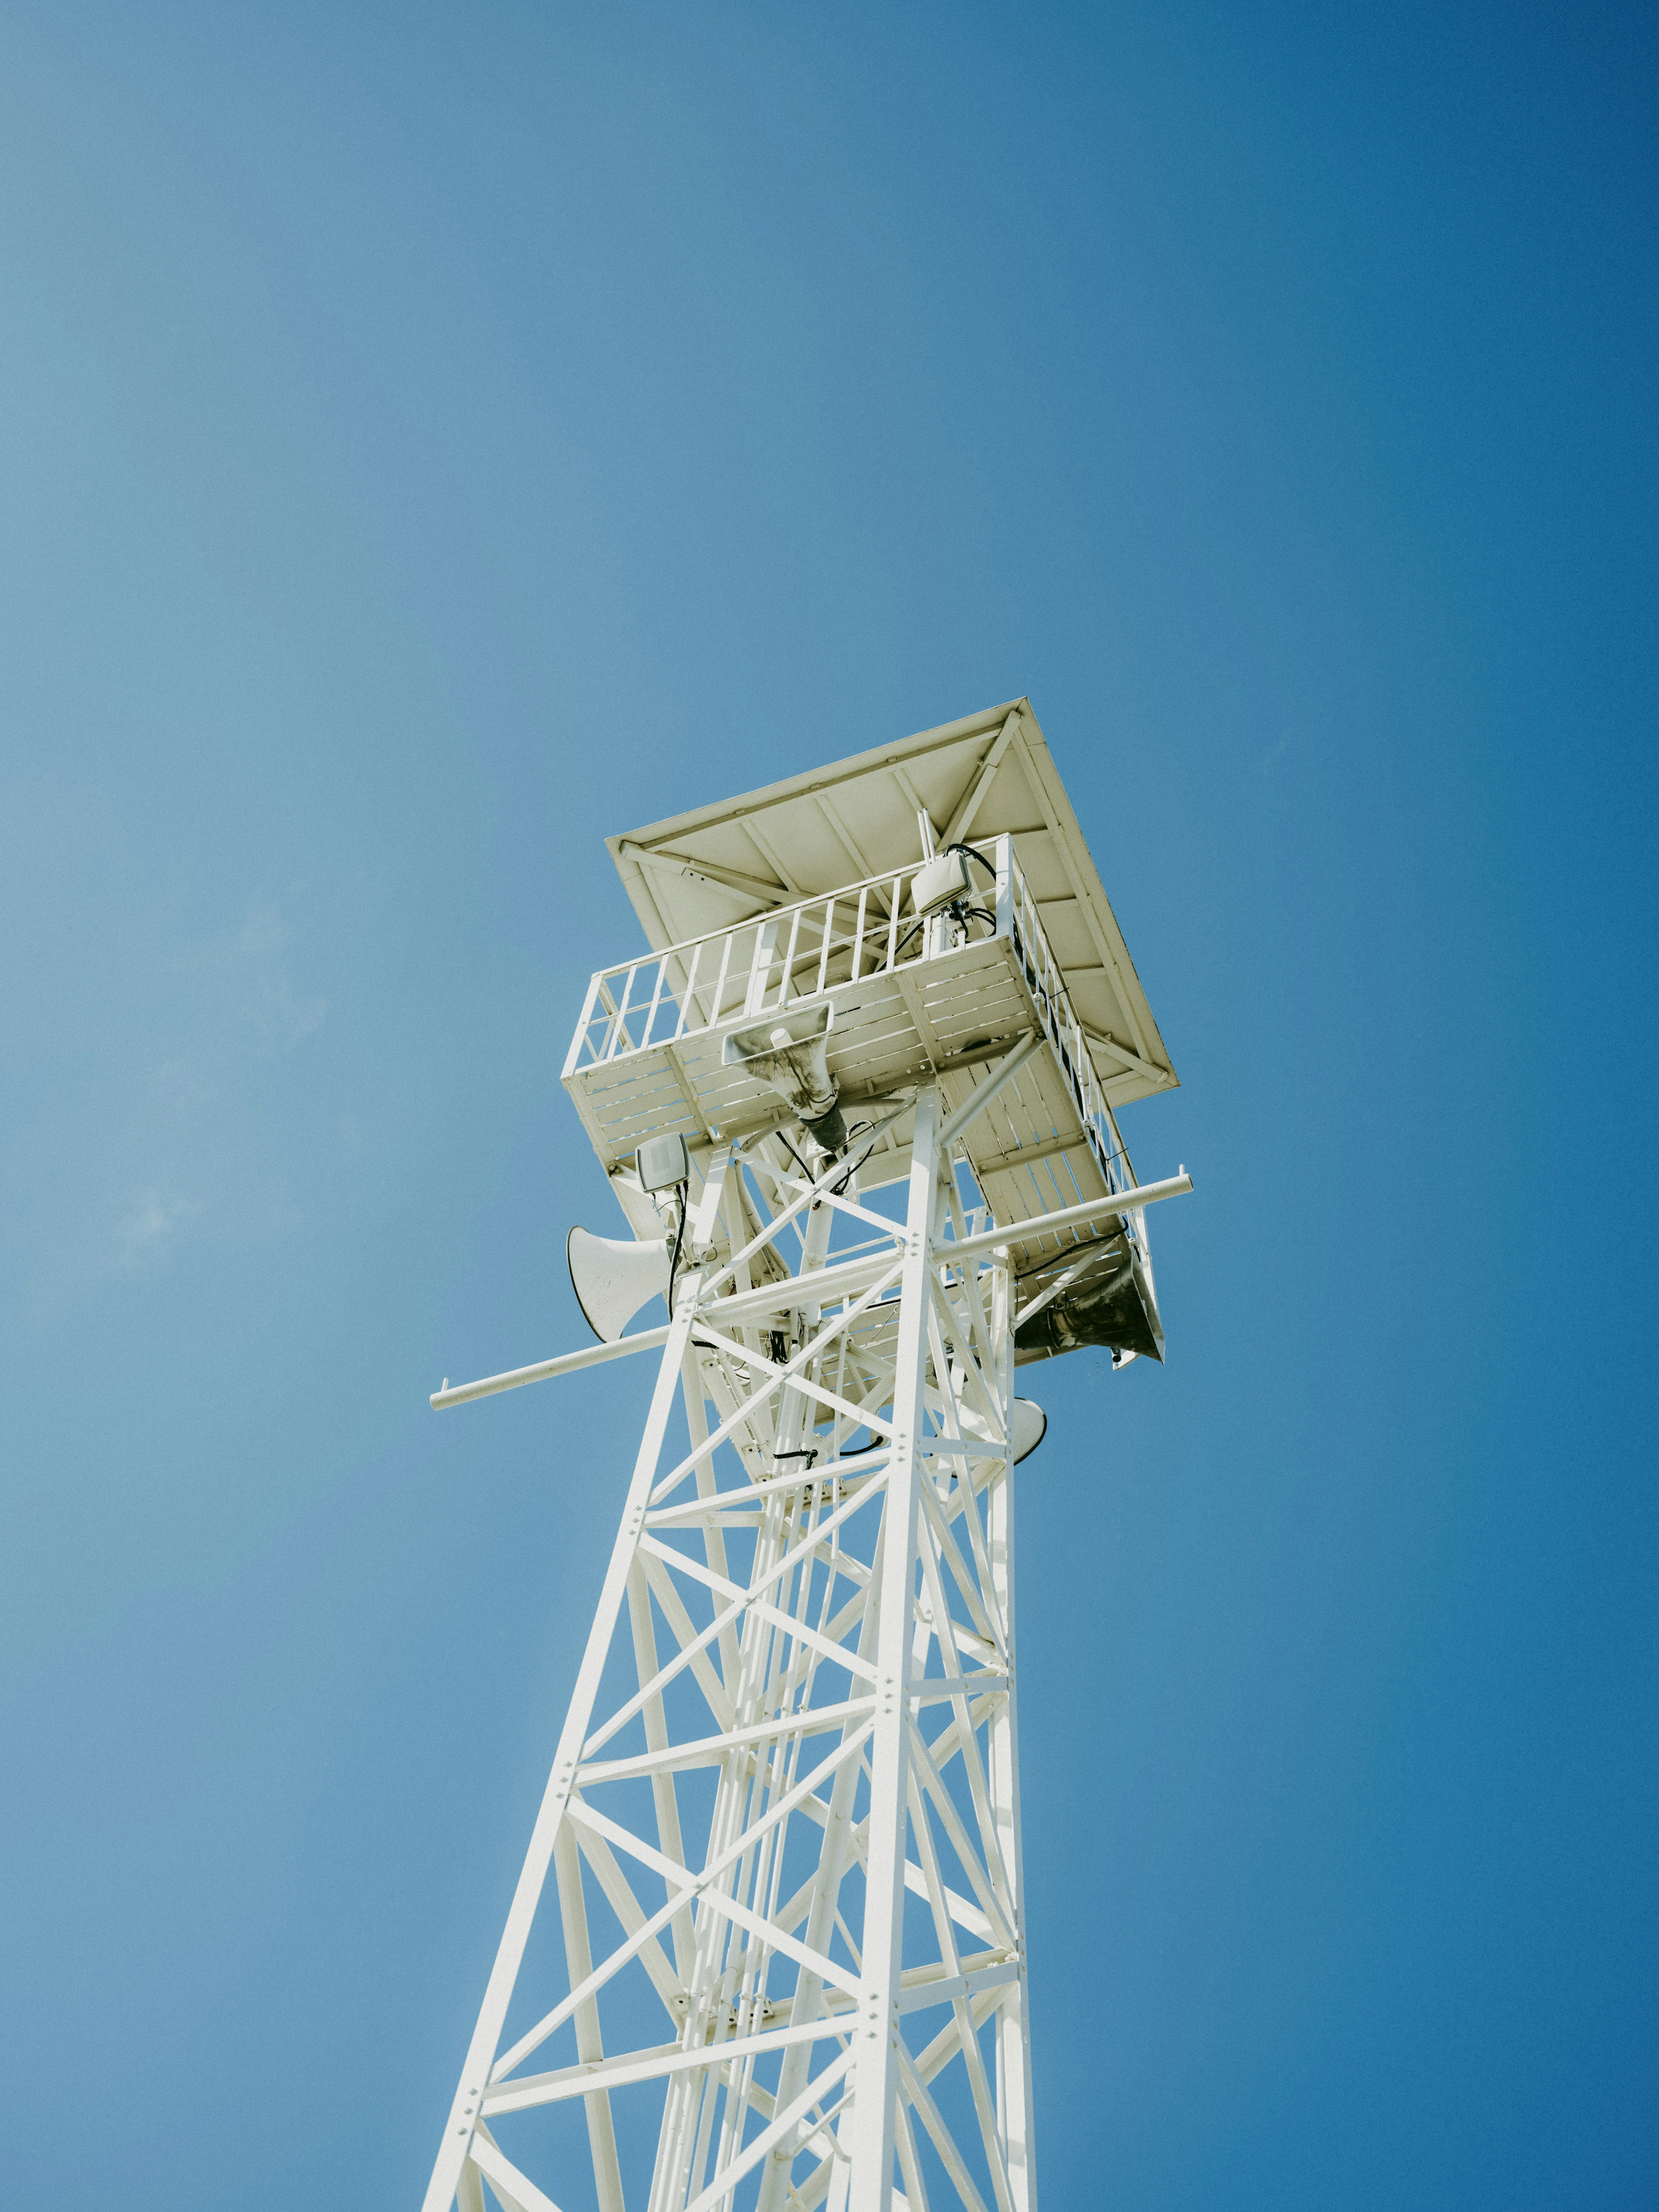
(436,436)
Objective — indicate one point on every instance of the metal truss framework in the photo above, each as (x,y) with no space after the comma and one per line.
(783,1816)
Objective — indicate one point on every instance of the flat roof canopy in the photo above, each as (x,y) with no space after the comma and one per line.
(805,837)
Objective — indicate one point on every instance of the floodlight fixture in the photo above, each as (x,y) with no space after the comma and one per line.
(663,1163)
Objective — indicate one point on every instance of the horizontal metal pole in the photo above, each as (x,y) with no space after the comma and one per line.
(818,1286)
(568,1363)
(822,1286)
(1069,1216)
(513,2095)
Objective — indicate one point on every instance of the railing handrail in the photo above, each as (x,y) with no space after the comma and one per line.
(1017,916)
(766,914)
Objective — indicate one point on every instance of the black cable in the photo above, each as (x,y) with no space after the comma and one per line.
(840,1188)
(957,913)
(680,1192)
(974,854)
(1073,1252)
(795,1156)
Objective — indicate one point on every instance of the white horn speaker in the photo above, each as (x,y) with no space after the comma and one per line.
(1029,1426)
(613,1277)
(791,1052)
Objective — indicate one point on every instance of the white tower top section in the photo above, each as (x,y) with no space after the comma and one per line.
(926,913)
(854,820)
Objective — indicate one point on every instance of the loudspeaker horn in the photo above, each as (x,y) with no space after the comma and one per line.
(791,1053)
(1028,1425)
(613,1277)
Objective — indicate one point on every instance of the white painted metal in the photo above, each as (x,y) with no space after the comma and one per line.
(773,1897)
(543,1370)
(856,820)
(938,1000)
(851,1276)
(844,1691)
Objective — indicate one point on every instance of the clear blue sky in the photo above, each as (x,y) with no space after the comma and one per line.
(436,436)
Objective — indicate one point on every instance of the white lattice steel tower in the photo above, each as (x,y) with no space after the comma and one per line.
(857,1106)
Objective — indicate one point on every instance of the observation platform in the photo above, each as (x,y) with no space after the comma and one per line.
(793,906)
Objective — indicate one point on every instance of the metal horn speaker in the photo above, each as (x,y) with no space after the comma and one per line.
(1028,1425)
(613,1277)
(791,1053)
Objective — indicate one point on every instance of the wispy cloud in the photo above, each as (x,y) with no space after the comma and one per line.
(160,1106)
(146,1234)
(251,962)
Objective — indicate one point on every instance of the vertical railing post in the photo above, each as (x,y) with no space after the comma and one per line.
(656,1000)
(828,938)
(1004,850)
(717,1005)
(688,1000)
(1120,1150)
(608,1001)
(786,982)
(619,1027)
(766,943)
(580,1038)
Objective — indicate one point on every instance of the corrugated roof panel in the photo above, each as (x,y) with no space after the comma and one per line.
(982,776)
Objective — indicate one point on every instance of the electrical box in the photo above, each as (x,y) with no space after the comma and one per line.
(663,1163)
(940,882)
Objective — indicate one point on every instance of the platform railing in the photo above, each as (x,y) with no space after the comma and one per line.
(790,953)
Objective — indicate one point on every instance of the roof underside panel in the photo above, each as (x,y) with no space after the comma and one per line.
(978,778)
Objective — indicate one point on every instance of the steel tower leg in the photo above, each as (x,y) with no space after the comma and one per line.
(783,1813)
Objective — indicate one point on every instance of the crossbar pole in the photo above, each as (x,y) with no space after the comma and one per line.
(568,1363)
(828,1284)
(1068,1217)
(972,1107)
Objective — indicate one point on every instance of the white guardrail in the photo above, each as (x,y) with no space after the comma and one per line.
(798,951)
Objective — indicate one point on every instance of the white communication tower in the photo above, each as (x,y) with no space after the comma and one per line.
(857,1107)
